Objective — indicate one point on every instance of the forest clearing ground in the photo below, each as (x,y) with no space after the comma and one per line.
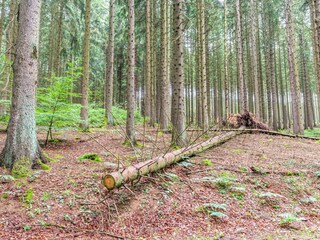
(255,187)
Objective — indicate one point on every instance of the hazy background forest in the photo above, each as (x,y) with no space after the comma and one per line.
(219,77)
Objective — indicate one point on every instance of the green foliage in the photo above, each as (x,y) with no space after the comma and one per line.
(213,209)
(54,108)
(312,133)
(91,157)
(28,196)
(26,227)
(224,181)
(288,218)
(207,162)
(46,196)
(317,174)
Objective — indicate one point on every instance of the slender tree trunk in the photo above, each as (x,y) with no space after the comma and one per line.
(243,101)
(131,70)
(86,74)
(226,73)
(2,16)
(254,23)
(306,84)
(164,112)
(57,63)
(179,136)
(10,53)
(2,85)
(283,102)
(22,150)
(315,22)
(110,67)
(147,83)
(293,70)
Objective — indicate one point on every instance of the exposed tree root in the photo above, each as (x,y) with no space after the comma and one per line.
(246,119)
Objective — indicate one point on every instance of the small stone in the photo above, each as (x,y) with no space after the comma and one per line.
(6,178)
(240,230)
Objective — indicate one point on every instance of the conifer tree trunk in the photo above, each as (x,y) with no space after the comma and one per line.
(147,82)
(293,71)
(110,67)
(243,101)
(57,63)
(225,55)
(179,135)
(10,53)
(2,85)
(164,85)
(202,65)
(131,75)
(254,54)
(306,85)
(86,74)
(282,92)
(2,16)
(22,150)
(315,22)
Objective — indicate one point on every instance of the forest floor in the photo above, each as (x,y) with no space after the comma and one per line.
(255,186)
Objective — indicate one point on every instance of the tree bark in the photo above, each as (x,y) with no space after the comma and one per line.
(147,83)
(254,23)
(243,101)
(164,86)
(110,67)
(86,74)
(22,151)
(131,76)
(10,53)
(293,70)
(179,136)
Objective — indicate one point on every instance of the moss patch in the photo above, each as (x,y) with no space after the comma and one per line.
(44,166)
(21,168)
(91,157)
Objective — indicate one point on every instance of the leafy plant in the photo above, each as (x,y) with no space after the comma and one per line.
(46,196)
(53,101)
(213,209)
(28,196)
(288,218)
(26,227)
(224,181)
(207,162)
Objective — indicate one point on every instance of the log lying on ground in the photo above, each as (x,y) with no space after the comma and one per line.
(129,174)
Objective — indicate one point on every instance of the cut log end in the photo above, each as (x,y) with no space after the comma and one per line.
(109,182)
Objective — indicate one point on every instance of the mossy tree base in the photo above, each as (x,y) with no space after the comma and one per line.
(20,164)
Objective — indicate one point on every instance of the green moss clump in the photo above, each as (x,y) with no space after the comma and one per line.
(91,157)
(44,166)
(21,168)
(207,162)
(28,196)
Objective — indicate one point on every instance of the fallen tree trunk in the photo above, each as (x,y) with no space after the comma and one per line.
(274,133)
(129,174)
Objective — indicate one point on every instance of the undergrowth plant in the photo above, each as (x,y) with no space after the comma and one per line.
(54,101)
(213,209)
